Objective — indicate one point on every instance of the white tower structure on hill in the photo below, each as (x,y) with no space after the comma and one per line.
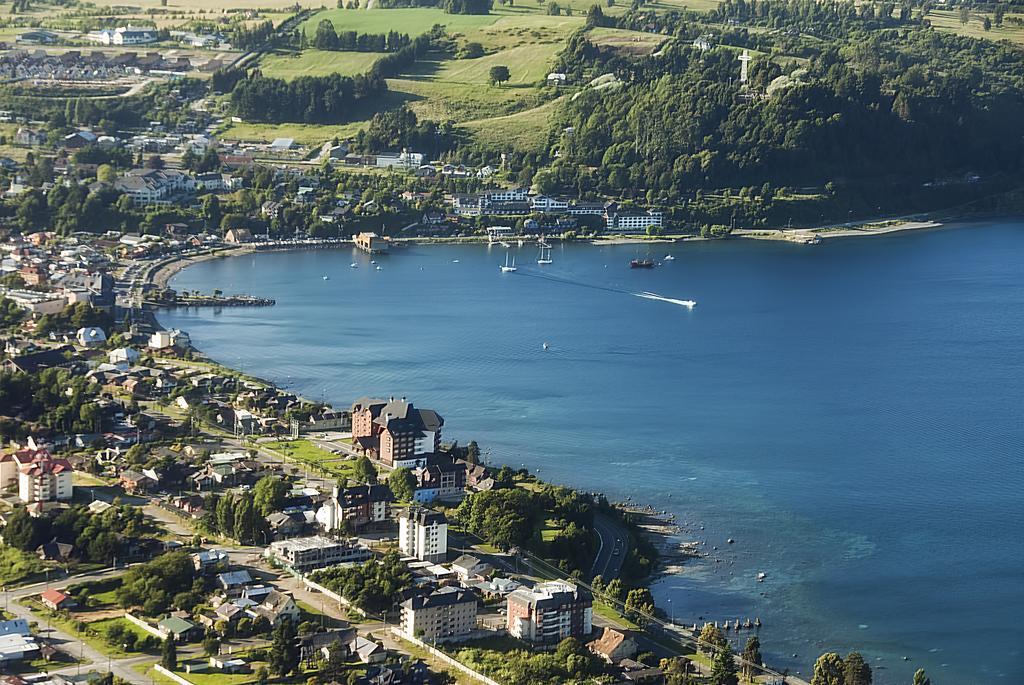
(744,61)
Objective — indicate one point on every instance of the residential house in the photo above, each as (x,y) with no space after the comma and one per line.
(134,482)
(277,607)
(470,569)
(154,187)
(448,614)
(441,479)
(233,582)
(614,645)
(178,629)
(549,612)
(57,600)
(162,340)
(368,651)
(238,235)
(29,136)
(284,525)
(423,533)
(207,561)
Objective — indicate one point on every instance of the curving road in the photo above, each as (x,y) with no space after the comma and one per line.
(613,544)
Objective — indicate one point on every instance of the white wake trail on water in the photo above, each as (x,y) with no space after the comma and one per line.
(689,304)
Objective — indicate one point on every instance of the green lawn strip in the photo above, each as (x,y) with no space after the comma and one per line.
(93,637)
(611,613)
(318,63)
(413,20)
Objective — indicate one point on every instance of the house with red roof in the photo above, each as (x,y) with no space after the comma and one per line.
(57,600)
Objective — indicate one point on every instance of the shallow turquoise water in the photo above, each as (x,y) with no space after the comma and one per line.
(850,413)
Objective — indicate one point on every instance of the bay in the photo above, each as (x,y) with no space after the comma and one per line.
(850,413)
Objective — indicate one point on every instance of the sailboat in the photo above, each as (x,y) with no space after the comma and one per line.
(545,254)
(508,266)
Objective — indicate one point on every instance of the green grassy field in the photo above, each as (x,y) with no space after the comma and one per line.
(949,21)
(527,130)
(625,41)
(318,63)
(410,20)
(17,566)
(307,453)
(304,134)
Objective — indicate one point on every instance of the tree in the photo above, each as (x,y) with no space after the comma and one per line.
(986,24)
(921,678)
(472,50)
(829,669)
(639,602)
(613,589)
(752,656)
(999,13)
(169,655)
(20,531)
(155,162)
(211,644)
(723,669)
(403,484)
(364,471)
(105,173)
(856,671)
(499,74)
(965,14)
(711,637)
(284,650)
(269,494)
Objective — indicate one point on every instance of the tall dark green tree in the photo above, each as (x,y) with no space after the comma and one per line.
(169,655)
(856,671)
(829,669)
(284,650)
(752,656)
(403,484)
(723,669)
(364,471)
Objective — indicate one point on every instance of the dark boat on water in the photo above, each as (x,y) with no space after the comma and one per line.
(641,264)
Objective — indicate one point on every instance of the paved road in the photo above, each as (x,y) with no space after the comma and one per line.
(613,544)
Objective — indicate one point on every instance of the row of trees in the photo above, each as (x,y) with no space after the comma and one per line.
(327,38)
(96,537)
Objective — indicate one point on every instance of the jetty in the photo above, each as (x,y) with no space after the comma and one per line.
(169,298)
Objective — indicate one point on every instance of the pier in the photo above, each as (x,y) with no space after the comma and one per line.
(169,298)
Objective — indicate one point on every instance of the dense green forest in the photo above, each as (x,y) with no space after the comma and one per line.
(309,99)
(884,100)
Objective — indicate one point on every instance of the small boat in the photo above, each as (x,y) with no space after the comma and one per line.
(545,255)
(669,258)
(455,261)
(372,261)
(545,346)
(353,265)
(641,264)
(379,269)
(508,266)
(761,576)
(327,278)
(520,243)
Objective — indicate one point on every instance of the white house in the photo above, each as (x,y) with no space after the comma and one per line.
(162,340)
(123,357)
(46,480)
(91,336)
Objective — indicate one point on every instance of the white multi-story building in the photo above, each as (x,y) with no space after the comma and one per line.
(306,554)
(549,205)
(154,187)
(634,222)
(423,533)
(46,480)
(448,614)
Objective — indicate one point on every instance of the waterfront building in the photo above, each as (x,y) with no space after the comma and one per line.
(395,432)
(361,505)
(423,533)
(550,612)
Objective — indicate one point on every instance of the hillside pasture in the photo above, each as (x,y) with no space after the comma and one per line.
(637,43)
(318,63)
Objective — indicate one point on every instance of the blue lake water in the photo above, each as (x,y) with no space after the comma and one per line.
(850,413)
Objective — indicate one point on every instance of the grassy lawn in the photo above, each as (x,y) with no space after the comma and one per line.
(92,637)
(610,613)
(625,41)
(549,531)
(308,453)
(17,566)
(101,593)
(304,134)
(318,63)
(949,21)
(413,20)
